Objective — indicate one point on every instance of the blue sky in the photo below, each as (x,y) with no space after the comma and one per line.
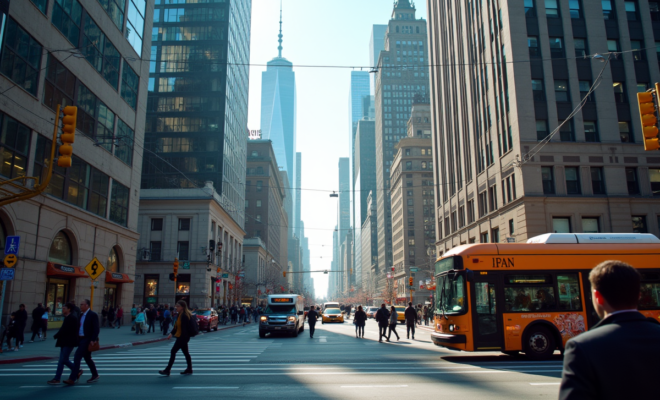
(329,32)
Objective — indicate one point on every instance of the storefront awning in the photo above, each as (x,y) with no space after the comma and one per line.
(64,271)
(116,277)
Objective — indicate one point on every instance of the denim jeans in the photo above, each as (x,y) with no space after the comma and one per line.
(82,353)
(65,352)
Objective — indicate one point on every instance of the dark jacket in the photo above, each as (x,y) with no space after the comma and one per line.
(75,311)
(67,336)
(617,359)
(383,316)
(185,327)
(91,326)
(411,315)
(360,318)
(37,313)
(21,319)
(312,316)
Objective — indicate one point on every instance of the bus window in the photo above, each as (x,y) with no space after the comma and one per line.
(650,296)
(451,300)
(485,308)
(525,293)
(569,292)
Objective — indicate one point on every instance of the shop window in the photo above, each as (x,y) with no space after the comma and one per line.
(14,144)
(569,292)
(151,288)
(60,250)
(57,294)
(21,57)
(113,261)
(183,288)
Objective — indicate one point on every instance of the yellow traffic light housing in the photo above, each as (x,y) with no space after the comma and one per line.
(176,267)
(649,119)
(68,136)
(284,274)
(410,281)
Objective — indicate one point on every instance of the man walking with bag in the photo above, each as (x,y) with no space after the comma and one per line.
(67,339)
(383,319)
(411,319)
(88,341)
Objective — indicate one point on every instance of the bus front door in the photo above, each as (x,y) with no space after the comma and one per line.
(487,314)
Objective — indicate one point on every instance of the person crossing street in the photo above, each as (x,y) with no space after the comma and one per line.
(67,340)
(394,317)
(88,334)
(383,318)
(312,316)
(411,319)
(182,331)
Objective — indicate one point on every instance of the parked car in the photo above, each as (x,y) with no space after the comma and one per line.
(207,319)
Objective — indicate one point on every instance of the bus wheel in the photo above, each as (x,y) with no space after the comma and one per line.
(539,343)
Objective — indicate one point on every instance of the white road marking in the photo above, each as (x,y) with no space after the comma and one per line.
(376,386)
(545,384)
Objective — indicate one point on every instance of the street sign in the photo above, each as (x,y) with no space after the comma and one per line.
(10,260)
(225,276)
(186,265)
(94,269)
(11,244)
(510,240)
(6,274)
(414,269)
(242,275)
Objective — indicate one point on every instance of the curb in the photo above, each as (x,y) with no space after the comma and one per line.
(108,347)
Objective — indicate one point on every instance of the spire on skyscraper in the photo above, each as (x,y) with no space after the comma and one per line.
(279,48)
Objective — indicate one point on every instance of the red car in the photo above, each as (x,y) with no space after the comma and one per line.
(207,319)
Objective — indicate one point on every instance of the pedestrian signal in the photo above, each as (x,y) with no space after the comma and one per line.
(648,116)
(68,136)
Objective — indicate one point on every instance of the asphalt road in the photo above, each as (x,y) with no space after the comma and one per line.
(333,365)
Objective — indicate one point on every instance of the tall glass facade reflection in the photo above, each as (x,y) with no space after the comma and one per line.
(198,99)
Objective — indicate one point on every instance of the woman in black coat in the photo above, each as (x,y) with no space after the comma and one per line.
(67,339)
(359,319)
(182,331)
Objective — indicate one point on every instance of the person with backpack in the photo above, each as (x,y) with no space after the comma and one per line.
(185,327)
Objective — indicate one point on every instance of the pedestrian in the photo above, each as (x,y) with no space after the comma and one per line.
(394,317)
(151,319)
(36,321)
(133,316)
(234,314)
(88,334)
(11,332)
(167,319)
(119,316)
(359,319)
(44,322)
(411,320)
(382,317)
(419,314)
(75,310)
(425,312)
(140,320)
(104,316)
(182,331)
(618,357)
(111,317)
(224,315)
(21,322)
(348,311)
(312,317)
(255,314)
(160,318)
(67,340)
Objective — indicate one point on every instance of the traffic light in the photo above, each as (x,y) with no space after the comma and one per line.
(410,281)
(284,274)
(647,113)
(176,267)
(68,136)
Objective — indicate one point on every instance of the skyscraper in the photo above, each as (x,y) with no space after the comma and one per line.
(402,74)
(278,118)
(299,231)
(197,105)
(376,45)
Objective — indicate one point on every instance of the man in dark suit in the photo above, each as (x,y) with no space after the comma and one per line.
(383,319)
(88,333)
(618,357)
(411,319)
(67,339)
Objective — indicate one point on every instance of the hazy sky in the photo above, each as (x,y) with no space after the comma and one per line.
(328,32)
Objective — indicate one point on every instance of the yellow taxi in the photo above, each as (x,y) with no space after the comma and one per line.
(400,314)
(332,315)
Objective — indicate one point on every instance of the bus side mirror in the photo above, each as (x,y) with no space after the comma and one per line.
(469,275)
(301,313)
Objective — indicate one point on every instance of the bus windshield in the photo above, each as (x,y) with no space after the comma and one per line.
(280,309)
(451,295)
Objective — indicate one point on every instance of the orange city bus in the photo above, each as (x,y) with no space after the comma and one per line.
(532,297)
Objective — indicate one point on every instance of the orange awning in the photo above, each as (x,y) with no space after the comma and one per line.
(64,271)
(116,277)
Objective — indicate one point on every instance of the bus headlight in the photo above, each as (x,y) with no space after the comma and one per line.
(453,328)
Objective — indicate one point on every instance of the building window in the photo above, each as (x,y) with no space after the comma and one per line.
(580,47)
(551,9)
(115,10)
(155,250)
(100,52)
(533,44)
(511,227)
(566,133)
(654,8)
(556,47)
(124,142)
(61,251)
(561,225)
(572,180)
(42,5)
(470,211)
(184,224)
(156,224)
(561,91)
(537,90)
(642,87)
(654,176)
(67,15)
(590,225)
(59,87)
(119,203)
(631,180)
(492,198)
(597,180)
(585,87)
(608,10)
(638,50)
(631,10)
(21,57)
(151,288)
(129,85)
(591,131)
(624,132)
(541,129)
(14,147)
(113,261)
(574,7)
(259,186)
(483,238)
(258,218)
(495,235)
(182,250)
(529,8)
(258,203)
(547,177)
(639,224)
(483,204)
(135,27)
(94,118)
(247,203)
(619,92)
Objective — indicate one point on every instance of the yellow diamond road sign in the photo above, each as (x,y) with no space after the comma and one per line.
(94,269)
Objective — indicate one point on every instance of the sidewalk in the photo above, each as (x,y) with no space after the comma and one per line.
(109,338)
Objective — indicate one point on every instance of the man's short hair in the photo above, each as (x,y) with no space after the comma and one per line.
(410,303)
(618,282)
(70,306)
(86,301)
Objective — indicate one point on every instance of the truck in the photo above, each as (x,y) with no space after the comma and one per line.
(284,313)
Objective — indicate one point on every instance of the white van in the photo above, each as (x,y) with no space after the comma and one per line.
(284,313)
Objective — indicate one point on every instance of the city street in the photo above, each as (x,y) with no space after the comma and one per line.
(236,363)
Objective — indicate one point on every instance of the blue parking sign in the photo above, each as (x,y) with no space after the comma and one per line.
(6,274)
(11,244)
